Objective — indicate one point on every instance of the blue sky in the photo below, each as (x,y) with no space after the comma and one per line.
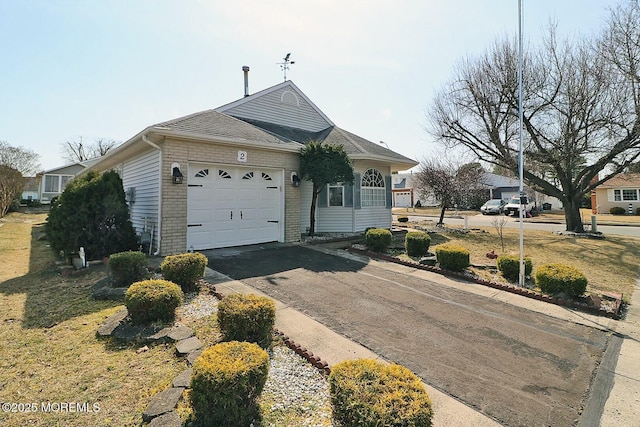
(110,68)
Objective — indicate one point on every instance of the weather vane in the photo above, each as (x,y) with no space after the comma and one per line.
(284,66)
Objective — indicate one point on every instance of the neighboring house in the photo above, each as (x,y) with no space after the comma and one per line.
(229,176)
(53,181)
(504,187)
(621,190)
(403,190)
(30,190)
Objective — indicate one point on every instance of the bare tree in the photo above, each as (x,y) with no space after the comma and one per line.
(448,182)
(21,159)
(498,223)
(581,103)
(79,150)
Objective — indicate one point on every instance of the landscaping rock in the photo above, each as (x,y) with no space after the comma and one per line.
(170,419)
(103,290)
(112,323)
(162,403)
(174,333)
(428,260)
(187,346)
(139,333)
(183,379)
(193,356)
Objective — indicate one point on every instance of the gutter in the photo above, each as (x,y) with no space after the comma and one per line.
(159,227)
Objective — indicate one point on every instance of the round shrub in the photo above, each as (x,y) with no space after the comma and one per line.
(225,382)
(366,392)
(128,267)
(184,269)
(509,266)
(247,317)
(378,239)
(617,210)
(452,257)
(403,219)
(417,243)
(559,278)
(151,300)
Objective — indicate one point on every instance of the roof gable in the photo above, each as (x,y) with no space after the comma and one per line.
(283,104)
(623,180)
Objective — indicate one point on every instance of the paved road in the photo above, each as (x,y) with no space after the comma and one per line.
(513,222)
(519,367)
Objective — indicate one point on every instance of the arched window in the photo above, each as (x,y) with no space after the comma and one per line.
(372,192)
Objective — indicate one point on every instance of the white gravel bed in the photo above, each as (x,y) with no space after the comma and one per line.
(295,389)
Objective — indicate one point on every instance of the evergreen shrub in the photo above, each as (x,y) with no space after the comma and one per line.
(92,213)
(152,300)
(378,239)
(417,243)
(366,392)
(617,210)
(247,317)
(225,383)
(128,267)
(184,269)
(558,278)
(509,266)
(452,257)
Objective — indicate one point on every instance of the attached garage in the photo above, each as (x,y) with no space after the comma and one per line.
(233,206)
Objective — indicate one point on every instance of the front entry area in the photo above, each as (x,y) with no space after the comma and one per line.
(233,206)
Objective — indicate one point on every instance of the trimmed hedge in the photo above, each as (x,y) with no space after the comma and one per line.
(378,239)
(226,381)
(617,210)
(452,257)
(509,266)
(559,278)
(247,317)
(184,269)
(128,267)
(152,300)
(366,392)
(417,243)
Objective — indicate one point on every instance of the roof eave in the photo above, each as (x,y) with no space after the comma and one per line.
(395,164)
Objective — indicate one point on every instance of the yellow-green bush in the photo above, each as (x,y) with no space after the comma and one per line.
(151,300)
(128,267)
(378,239)
(452,257)
(558,278)
(184,269)
(509,266)
(226,380)
(247,317)
(366,392)
(417,243)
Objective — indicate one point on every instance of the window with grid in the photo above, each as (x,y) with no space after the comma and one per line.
(630,194)
(372,191)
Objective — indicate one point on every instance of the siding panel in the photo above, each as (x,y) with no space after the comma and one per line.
(143,174)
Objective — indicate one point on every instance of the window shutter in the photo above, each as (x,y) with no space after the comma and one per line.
(323,197)
(348,195)
(357,182)
(610,195)
(387,187)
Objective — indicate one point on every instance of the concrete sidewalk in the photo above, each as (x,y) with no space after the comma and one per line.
(622,406)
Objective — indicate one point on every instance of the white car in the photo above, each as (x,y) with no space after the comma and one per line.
(494,206)
(515,204)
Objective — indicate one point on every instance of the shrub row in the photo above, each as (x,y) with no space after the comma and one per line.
(378,239)
(417,243)
(366,392)
(184,269)
(247,317)
(128,267)
(152,300)
(509,266)
(452,257)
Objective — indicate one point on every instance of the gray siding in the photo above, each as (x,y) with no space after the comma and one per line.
(305,205)
(143,174)
(273,108)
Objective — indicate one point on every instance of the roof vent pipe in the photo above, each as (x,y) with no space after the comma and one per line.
(245,68)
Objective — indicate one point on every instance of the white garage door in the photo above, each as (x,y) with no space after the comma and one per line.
(232,206)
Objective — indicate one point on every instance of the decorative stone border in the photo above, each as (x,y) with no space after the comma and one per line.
(616,299)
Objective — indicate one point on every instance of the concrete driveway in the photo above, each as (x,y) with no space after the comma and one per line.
(520,367)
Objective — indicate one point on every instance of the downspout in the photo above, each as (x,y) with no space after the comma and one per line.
(159,228)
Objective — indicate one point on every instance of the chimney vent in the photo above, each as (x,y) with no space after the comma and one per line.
(245,69)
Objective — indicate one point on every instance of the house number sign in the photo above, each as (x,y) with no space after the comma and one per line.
(242,156)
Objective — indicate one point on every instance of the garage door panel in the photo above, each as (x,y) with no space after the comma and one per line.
(234,205)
